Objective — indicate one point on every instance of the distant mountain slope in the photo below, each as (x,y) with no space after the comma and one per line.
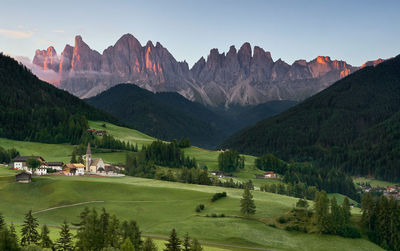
(244,76)
(162,115)
(33,110)
(354,124)
(168,115)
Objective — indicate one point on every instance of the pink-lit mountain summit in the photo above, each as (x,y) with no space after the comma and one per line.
(244,76)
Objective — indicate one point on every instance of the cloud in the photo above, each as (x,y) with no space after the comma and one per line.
(49,76)
(16,34)
(58,31)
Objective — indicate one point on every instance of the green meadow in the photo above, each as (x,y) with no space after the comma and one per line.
(159,206)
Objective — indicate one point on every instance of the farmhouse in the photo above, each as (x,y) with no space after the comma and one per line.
(55,165)
(74,169)
(20,162)
(23,177)
(270,175)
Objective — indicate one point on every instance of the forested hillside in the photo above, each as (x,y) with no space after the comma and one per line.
(353,125)
(168,115)
(33,110)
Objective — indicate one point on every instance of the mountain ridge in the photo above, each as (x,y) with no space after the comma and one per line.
(247,76)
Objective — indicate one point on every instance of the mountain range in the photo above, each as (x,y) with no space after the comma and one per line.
(247,76)
(353,125)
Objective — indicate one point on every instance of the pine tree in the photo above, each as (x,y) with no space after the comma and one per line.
(65,243)
(45,241)
(196,245)
(29,233)
(367,208)
(174,244)
(7,240)
(127,246)
(73,157)
(131,230)
(112,237)
(186,243)
(247,203)
(149,245)
(346,210)
(2,222)
(335,218)
(13,233)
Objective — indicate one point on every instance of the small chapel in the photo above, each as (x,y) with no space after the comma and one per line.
(93,165)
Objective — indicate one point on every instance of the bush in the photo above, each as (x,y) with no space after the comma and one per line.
(218,196)
(349,232)
(214,215)
(282,220)
(222,215)
(200,208)
(292,228)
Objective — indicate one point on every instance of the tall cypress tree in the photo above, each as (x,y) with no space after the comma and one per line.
(247,203)
(321,209)
(45,241)
(65,243)
(173,244)
(346,210)
(28,232)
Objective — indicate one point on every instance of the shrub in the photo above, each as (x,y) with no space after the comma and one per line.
(199,208)
(282,220)
(222,215)
(349,232)
(218,196)
(214,215)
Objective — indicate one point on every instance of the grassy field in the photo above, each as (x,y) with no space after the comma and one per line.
(159,206)
(373,182)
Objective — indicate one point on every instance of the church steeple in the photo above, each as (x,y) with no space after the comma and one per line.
(88,158)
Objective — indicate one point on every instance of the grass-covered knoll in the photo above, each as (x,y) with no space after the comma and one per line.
(159,206)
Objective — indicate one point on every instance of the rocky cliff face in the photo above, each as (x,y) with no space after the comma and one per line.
(243,76)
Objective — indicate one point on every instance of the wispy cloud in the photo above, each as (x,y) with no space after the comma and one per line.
(58,31)
(16,33)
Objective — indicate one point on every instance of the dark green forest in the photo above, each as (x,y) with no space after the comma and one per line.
(33,110)
(354,126)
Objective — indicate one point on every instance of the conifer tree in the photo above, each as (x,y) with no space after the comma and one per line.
(45,241)
(131,230)
(2,222)
(321,209)
(65,243)
(186,246)
(13,233)
(336,217)
(346,210)
(173,244)
(73,157)
(29,233)
(196,245)
(112,237)
(127,246)
(247,203)
(7,240)
(149,245)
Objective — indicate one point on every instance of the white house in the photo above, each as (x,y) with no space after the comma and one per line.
(80,169)
(55,165)
(20,164)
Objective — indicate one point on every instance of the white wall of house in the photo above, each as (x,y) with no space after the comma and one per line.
(80,171)
(18,165)
(41,171)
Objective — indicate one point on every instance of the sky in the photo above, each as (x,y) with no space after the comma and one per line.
(354,31)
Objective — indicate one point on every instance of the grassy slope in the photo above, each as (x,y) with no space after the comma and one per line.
(373,182)
(160,206)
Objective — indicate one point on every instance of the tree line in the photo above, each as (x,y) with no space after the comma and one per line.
(310,174)
(380,218)
(94,232)
(298,190)
(7,155)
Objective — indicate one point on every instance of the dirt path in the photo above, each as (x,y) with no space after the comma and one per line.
(70,205)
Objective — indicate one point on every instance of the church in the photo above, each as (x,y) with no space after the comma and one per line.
(93,165)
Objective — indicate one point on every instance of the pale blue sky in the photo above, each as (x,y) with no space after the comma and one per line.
(354,31)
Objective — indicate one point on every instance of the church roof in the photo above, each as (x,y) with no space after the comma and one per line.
(95,161)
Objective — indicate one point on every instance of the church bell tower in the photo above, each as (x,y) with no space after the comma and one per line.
(88,158)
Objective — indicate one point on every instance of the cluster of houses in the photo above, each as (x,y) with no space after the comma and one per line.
(97,132)
(93,166)
(389,191)
(267,175)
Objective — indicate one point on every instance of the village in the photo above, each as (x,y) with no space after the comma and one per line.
(388,191)
(92,166)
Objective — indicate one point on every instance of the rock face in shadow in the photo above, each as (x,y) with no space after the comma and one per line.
(247,76)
